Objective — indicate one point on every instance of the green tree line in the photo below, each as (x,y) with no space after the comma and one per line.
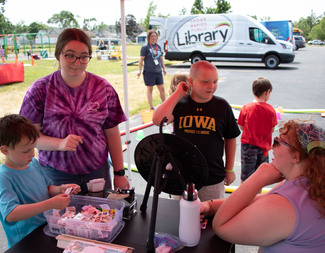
(313,26)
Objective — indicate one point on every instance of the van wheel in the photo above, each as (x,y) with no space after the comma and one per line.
(272,62)
(197,57)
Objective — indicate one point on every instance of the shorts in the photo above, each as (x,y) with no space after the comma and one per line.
(152,78)
(215,191)
(251,158)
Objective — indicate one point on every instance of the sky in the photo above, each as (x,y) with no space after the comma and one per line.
(109,11)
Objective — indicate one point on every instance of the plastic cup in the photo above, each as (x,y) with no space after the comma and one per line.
(140,135)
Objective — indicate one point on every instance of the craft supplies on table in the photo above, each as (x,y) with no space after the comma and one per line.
(87,217)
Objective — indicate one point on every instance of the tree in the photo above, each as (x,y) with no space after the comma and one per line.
(265,18)
(2,3)
(151,11)
(118,27)
(306,24)
(318,31)
(197,7)
(21,27)
(88,24)
(222,6)
(132,28)
(6,25)
(183,11)
(302,25)
(101,27)
(64,19)
(35,27)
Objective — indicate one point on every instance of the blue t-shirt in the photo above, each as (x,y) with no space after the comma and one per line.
(18,187)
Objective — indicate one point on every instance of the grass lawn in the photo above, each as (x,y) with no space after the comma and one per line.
(11,95)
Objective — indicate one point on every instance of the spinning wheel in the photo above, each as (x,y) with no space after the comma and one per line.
(167,162)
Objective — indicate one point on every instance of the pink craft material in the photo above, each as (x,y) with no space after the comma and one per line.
(278,115)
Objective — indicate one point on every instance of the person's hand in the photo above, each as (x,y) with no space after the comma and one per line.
(230,178)
(204,209)
(139,74)
(75,188)
(60,201)
(183,88)
(165,72)
(121,182)
(70,143)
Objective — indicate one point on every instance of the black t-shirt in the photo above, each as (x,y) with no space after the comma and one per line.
(206,125)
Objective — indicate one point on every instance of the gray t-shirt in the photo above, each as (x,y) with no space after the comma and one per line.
(152,60)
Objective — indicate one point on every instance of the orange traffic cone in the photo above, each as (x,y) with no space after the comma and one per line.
(32,60)
(3,59)
(16,58)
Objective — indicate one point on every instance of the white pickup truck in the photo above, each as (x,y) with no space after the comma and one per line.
(316,42)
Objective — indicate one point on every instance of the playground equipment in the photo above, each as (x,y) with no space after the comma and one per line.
(32,60)
(115,54)
(14,46)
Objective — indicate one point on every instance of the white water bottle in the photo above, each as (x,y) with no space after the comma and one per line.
(189,223)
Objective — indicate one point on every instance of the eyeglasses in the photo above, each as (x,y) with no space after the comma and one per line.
(70,58)
(278,141)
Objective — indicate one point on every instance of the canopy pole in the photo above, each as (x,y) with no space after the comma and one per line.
(125,86)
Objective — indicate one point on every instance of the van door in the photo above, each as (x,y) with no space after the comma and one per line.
(258,43)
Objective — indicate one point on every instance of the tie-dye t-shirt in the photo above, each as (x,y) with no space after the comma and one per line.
(84,111)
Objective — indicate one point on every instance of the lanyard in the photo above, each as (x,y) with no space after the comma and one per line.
(155,55)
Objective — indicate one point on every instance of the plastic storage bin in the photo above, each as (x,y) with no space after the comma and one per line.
(86,229)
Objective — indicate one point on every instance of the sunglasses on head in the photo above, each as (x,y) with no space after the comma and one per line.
(278,141)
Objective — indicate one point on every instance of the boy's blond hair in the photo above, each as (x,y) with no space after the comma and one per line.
(196,68)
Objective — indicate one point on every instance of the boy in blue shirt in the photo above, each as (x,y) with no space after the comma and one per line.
(25,191)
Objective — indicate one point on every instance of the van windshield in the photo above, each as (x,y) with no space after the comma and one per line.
(257,35)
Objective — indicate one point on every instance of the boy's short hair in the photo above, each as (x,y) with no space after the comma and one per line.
(13,127)
(196,67)
(261,85)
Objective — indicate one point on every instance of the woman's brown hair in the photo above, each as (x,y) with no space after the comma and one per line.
(71,34)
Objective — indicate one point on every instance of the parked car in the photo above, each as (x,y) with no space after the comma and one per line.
(299,42)
(316,42)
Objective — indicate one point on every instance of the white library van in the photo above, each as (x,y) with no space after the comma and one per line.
(220,37)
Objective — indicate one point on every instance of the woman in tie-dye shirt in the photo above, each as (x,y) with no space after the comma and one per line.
(78,114)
